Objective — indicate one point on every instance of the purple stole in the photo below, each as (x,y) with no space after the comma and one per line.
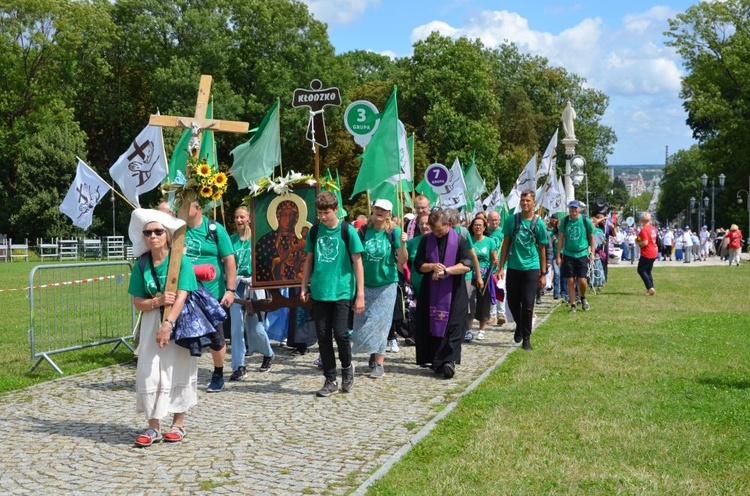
(441,290)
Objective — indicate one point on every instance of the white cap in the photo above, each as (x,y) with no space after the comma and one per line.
(384,204)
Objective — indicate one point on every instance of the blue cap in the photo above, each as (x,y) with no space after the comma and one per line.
(574,203)
(687,227)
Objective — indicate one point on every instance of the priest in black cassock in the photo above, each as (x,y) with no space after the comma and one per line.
(442,306)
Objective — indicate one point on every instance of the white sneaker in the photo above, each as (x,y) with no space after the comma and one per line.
(393,346)
(480,335)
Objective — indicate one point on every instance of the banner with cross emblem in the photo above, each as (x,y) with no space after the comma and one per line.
(142,167)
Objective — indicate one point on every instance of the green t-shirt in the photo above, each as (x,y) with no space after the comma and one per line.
(378,258)
(242,255)
(576,236)
(333,278)
(463,232)
(497,235)
(416,276)
(202,249)
(143,285)
(522,252)
(483,249)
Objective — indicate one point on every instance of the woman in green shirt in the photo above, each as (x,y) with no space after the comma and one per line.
(479,299)
(166,377)
(243,323)
(385,247)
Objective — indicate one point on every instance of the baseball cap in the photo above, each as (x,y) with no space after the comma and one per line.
(574,203)
(384,204)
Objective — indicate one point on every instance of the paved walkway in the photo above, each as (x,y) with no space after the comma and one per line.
(268,434)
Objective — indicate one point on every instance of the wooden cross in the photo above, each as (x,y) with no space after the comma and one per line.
(196,124)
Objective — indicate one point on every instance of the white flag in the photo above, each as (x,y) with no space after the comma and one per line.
(549,159)
(455,189)
(142,167)
(85,192)
(527,180)
(496,199)
(553,199)
(404,158)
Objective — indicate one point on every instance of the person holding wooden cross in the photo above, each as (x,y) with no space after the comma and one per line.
(208,242)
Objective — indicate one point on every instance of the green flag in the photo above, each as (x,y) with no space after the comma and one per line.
(341,213)
(425,189)
(179,158)
(474,185)
(381,158)
(258,157)
(387,191)
(208,144)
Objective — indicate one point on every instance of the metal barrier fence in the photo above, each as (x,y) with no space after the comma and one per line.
(75,306)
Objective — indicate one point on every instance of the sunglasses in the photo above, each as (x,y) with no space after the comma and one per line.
(149,232)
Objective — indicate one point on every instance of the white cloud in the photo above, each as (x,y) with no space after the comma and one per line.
(625,61)
(335,12)
(629,63)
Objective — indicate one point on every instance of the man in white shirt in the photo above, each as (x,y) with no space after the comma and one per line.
(705,242)
(687,245)
(668,242)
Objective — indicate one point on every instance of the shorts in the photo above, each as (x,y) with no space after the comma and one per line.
(218,342)
(577,267)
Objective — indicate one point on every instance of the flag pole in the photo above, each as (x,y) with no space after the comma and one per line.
(413,179)
(281,166)
(102,180)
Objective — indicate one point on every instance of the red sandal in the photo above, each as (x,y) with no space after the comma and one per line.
(148,437)
(175,434)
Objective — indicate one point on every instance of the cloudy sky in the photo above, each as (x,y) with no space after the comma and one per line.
(617,45)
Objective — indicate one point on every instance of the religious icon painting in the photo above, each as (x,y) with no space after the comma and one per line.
(279,230)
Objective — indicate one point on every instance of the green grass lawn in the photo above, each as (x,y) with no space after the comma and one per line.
(638,396)
(15,354)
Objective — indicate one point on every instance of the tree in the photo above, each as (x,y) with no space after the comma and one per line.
(680,182)
(713,39)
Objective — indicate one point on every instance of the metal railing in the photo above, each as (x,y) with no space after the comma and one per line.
(75,306)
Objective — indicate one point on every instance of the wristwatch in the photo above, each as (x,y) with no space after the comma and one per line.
(172,323)
(231,289)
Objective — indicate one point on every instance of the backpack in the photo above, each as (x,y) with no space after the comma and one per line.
(314,236)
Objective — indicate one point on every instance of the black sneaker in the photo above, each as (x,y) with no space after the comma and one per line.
(527,344)
(329,388)
(372,362)
(449,370)
(238,374)
(266,365)
(347,378)
(518,335)
(585,305)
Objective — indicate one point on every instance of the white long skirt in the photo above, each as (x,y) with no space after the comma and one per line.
(166,379)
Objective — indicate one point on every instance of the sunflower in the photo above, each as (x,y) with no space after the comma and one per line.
(217,196)
(220,180)
(206,192)
(204,170)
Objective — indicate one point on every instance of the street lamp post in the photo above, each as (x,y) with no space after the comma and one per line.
(713,189)
(692,209)
(747,202)
(578,175)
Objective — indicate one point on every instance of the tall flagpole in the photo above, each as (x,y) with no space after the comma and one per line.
(413,178)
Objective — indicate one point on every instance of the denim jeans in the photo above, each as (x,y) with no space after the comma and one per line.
(556,284)
(644,270)
(253,326)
